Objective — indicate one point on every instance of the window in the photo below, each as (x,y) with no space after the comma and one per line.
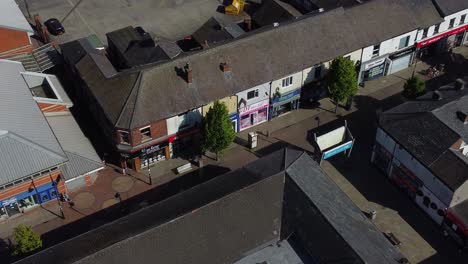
(287,81)
(376,50)
(145,133)
(403,42)
(462,19)
(451,23)
(124,137)
(252,94)
(436,28)
(425,32)
(348,57)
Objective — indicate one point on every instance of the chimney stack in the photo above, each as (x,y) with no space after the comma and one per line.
(188,72)
(463,117)
(225,67)
(248,23)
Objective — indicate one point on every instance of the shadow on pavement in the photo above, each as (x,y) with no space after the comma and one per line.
(132,204)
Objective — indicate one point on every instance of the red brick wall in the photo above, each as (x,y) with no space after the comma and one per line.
(51,108)
(158,129)
(24,187)
(14,39)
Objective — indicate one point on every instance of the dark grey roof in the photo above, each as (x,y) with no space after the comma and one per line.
(331,4)
(448,7)
(345,217)
(215,32)
(452,168)
(134,47)
(22,117)
(215,222)
(422,134)
(428,128)
(272,11)
(254,60)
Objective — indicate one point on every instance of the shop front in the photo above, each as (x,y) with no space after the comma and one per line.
(253,114)
(405,179)
(283,103)
(400,60)
(373,69)
(31,198)
(147,156)
(442,42)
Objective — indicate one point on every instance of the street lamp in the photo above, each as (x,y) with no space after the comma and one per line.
(117,196)
(318,121)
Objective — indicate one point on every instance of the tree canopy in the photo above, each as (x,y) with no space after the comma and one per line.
(218,132)
(342,80)
(26,240)
(414,87)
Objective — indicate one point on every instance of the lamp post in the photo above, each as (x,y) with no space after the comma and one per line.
(318,121)
(117,196)
(149,175)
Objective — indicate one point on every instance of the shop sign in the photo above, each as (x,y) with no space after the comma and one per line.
(401,54)
(438,37)
(233,117)
(150,150)
(251,107)
(9,201)
(286,97)
(374,63)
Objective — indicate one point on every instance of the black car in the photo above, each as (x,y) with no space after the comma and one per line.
(54,26)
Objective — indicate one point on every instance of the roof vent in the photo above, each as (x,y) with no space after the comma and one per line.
(463,117)
(275,24)
(321,10)
(459,84)
(188,72)
(436,96)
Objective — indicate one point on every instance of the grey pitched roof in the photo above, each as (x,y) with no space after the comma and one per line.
(428,128)
(214,222)
(20,157)
(11,17)
(452,168)
(254,59)
(448,7)
(81,154)
(282,253)
(215,31)
(348,220)
(22,116)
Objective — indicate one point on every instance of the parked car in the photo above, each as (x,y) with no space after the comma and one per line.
(54,26)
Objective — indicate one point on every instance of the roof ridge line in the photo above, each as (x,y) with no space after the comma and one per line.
(137,82)
(34,145)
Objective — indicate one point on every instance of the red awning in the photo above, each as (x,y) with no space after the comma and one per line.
(431,40)
(456,220)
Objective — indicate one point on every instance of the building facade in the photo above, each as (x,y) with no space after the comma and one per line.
(285,94)
(253,106)
(231,104)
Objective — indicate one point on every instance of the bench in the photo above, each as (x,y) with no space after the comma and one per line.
(184,168)
(393,239)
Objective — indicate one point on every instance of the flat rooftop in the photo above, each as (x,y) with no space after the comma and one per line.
(173,19)
(281,253)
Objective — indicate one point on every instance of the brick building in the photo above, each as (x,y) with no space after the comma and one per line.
(43,151)
(15,31)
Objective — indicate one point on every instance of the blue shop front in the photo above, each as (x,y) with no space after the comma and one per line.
(33,197)
(283,103)
(234,120)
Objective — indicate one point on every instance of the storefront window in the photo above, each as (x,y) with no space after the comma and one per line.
(245,121)
(262,115)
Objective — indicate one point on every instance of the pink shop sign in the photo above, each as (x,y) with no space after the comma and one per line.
(253,107)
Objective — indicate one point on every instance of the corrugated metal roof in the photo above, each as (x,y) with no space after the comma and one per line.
(20,157)
(22,116)
(81,154)
(11,16)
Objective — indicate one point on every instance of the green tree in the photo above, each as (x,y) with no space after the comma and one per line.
(414,87)
(342,80)
(217,129)
(26,240)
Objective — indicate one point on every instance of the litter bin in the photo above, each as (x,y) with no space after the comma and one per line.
(252,140)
